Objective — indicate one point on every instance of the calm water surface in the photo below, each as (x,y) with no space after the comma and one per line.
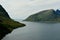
(36,31)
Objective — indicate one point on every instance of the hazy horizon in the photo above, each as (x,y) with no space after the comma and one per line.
(21,9)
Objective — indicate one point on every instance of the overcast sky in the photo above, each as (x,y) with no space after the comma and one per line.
(20,9)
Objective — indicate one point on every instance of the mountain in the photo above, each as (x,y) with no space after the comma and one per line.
(6,23)
(50,15)
(3,12)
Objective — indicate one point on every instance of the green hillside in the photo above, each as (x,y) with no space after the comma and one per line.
(45,16)
(6,23)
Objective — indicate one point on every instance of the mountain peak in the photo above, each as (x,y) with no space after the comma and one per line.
(58,11)
(45,15)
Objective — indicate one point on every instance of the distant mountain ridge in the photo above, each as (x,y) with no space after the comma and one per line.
(58,11)
(45,15)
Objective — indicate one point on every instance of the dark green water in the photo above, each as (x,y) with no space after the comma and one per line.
(36,31)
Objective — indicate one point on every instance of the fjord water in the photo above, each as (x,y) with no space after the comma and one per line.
(35,31)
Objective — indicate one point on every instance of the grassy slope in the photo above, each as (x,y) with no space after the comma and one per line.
(10,24)
(46,15)
(6,23)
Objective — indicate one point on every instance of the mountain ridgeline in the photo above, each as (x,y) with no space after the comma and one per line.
(3,12)
(6,23)
(50,15)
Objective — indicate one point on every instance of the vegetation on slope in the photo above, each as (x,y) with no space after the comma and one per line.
(46,15)
(6,23)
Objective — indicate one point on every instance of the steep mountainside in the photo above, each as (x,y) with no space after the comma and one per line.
(3,12)
(46,15)
(6,23)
